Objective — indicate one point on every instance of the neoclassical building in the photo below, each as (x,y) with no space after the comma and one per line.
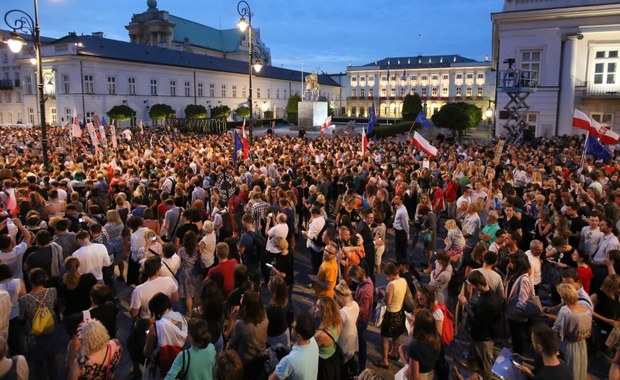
(438,79)
(571,49)
(180,63)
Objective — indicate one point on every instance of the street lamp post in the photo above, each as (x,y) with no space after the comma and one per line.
(21,21)
(254,54)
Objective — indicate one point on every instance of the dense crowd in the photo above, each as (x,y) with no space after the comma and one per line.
(502,246)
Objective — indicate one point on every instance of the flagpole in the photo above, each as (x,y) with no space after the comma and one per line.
(583,155)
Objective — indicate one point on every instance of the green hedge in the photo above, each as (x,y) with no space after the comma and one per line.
(257,123)
(292,117)
(384,130)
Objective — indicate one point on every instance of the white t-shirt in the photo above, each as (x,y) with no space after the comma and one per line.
(281,230)
(207,251)
(14,259)
(174,263)
(143,293)
(93,258)
(535,264)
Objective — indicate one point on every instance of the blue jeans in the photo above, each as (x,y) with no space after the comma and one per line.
(361,337)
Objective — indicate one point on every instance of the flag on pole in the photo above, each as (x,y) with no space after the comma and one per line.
(113,135)
(112,168)
(141,127)
(243,127)
(598,150)
(93,134)
(245,142)
(422,120)
(326,124)
(364,142)
(238,147)
(310,148)
(581,121)
(603,133)
(75,117)
(11,203)
(404,77)
(372,119)
(421,143)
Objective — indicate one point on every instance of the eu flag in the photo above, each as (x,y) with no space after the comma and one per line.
(372,119)
(238,147)
(598,150)
(422,120)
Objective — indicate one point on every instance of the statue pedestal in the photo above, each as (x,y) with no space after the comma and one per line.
(311,114)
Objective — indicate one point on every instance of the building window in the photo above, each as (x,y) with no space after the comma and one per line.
(445,77)
(5,58)
(173,88)
(284,94)
(54,117)
(187,88)
(111,86)
(268,93)
(223,91)
(403,92)
(89,84)
(89,116)
(19,97)
(383,92)
(362,93)
(468,92)
(371,92)
(606,67)
(200,89)
(423,94)
(212,90)
(393,92)
(132,85)
(234,91)
(244,93)
(444,92)
(530,60)
(479,94)
(434,92)
(153,87)
(277,93)
(29,85)
(603,118)
(258,93)
(354,111)
(31,115)
(458,92)
(68,115)
(66,87)
(353,93)
(458,79)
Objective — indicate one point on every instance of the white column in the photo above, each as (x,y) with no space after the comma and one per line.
(567,83)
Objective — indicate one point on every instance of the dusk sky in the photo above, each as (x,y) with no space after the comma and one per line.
(320,35)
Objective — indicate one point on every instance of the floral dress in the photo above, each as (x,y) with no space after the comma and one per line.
(105,369)
(189,282)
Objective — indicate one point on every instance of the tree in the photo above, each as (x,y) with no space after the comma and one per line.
(121,113)
(220,112)
(195,111)
(292,108)
(458,117)
(161,112)
(243,111)
(412,106)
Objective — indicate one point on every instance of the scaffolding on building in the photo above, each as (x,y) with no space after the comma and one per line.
(518,84)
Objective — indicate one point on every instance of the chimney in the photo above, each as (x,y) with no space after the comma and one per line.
(97,34)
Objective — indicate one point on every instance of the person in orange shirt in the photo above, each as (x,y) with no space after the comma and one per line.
(325,280)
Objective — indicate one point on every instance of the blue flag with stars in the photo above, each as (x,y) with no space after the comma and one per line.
(238,147)
(598,150)
(422,120)
(372,119)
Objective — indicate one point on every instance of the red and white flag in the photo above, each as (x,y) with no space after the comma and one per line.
(243,128)
(581,121)
(326,124)
(421,143)
(310,148)
(11,203)
(245,142)
(603,133)
(112,168)
(75,117)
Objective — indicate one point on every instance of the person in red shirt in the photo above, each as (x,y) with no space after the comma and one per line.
(224,272)
(451,194)
(584,271)
(437,198)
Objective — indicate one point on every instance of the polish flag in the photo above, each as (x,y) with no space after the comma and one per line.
(582,121)
(326,124)
(112,168)
(603,133)
(243,128)
(423,144)
(11,203)
(245,142)
(76,131)
(75,117)
(310,148)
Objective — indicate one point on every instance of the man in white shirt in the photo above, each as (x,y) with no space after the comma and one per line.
(171,262)
(142,294)
(12,254)
(280,229)
(93,256)
(608,242)
(317,222)
(591,235)
(465,197)
(533,255)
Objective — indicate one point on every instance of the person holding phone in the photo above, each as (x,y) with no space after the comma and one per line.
(547,344)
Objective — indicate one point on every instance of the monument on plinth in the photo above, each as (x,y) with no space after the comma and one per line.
(311,113)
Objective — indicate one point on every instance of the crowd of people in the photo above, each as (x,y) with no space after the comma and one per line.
(515,247)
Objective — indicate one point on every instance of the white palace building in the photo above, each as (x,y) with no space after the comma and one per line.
(571,51)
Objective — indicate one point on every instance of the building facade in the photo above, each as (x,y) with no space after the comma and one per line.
(437,79)
(572,50)
(91,74)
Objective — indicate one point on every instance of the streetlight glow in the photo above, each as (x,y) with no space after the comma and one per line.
(15,42)
(242,24)
(258,66)
(489,113)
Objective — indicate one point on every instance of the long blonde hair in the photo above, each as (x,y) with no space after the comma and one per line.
(72,277)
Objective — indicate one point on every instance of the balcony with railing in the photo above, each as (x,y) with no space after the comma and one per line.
(601,90)
(8,84)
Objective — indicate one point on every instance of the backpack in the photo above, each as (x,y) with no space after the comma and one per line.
(43,320)
(447,332)
(260,245)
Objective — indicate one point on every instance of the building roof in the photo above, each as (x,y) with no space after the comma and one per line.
(420,62)
(104,48)
(226,40)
